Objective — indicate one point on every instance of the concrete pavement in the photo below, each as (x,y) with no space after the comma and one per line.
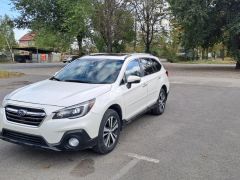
(197,137)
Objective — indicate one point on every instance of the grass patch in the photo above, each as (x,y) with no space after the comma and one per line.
(210,61)
(6,74)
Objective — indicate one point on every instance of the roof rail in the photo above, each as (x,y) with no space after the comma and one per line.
(126,55)
(109,54)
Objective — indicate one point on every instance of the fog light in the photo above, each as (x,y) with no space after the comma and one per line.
(74,142)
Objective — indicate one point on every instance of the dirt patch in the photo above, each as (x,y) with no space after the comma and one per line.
(84,168)
(6,74)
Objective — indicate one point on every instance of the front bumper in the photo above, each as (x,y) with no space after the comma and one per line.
(34,141)
(53,132)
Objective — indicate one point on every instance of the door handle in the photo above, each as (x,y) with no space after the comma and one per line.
(144,85)
(160,77)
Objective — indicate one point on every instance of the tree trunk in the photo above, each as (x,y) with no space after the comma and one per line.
(10,49)
(197,56)
(147,40)
(109,38)
(207,53)
(203,50)
(147,48)
(135,31)
(80,48)
(109,46)
(110,5)
(193,54)
(223,52)
(238,65)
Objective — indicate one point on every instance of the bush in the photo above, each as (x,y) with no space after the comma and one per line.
(4,58)
(168,54)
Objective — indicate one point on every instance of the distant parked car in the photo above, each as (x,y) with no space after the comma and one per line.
(22,58)
(70,59)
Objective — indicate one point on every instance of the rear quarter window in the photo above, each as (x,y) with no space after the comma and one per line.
(147,66)
(157,66)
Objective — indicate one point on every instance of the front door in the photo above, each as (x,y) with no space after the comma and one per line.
(135,98)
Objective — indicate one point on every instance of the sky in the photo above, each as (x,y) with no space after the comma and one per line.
(7,8)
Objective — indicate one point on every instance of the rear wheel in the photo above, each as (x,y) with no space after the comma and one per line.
(108,133)
(161,103)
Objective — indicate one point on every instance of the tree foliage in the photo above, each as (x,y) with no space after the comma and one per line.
(209,22)
(7,39)
(53,41)
(149,15)
(66,18)
(110,24)
(113,24)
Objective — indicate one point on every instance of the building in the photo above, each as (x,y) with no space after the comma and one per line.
(29,52)
(27,40)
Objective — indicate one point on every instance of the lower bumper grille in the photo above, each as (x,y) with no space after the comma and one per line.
(22,138)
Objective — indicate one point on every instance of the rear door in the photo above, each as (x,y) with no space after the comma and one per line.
(152,76)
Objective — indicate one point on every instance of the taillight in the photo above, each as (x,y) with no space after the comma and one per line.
(167,73)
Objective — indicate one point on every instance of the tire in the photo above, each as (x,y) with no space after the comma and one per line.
(161,103)
(109,132)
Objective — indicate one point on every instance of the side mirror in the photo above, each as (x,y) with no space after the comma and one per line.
(133,80)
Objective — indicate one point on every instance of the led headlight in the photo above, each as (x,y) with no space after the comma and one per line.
(75,111)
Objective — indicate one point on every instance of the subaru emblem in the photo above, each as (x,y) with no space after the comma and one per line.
(22,112)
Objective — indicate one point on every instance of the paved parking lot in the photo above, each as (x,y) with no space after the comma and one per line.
(198,137)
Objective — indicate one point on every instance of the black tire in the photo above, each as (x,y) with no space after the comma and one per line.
(161,103)
(108,132)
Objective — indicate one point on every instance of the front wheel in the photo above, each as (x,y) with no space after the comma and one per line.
(161,103)
(109,132)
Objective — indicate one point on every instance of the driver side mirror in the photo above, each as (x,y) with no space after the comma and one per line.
(132,80)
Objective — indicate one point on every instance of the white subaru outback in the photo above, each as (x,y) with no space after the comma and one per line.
(86,104)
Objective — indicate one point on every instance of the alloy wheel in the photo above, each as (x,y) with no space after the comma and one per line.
(162,100)
(110,131)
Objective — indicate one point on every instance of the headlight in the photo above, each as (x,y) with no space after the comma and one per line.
(75,111)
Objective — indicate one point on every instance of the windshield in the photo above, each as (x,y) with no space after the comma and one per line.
(93,71)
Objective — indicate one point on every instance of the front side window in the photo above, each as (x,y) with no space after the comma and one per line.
(133,69)
(92,71)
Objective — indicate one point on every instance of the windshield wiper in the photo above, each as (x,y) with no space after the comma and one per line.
(77,81)
(54,78)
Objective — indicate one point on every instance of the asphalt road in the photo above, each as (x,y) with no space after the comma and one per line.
(197,137)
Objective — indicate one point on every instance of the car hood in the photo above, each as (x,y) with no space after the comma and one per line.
(58,93)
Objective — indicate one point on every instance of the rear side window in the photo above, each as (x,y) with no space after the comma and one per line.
(147,66)
(157,66)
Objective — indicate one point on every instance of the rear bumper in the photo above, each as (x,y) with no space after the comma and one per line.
(40,143)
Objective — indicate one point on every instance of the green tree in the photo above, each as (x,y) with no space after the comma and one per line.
(230,15)
(149,15)
(113,24)
(209,22)
(66,18)
(197,21)
(7,40)
(54,41)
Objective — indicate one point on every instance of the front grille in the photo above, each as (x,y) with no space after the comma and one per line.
(23,138)
(23,115)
